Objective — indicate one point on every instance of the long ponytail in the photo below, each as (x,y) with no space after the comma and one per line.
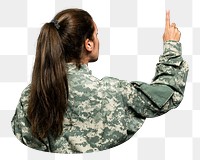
(49,88)
(59,42)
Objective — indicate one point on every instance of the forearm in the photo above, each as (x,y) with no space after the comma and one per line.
(172,70)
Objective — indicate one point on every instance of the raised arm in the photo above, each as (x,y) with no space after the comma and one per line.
(168,85)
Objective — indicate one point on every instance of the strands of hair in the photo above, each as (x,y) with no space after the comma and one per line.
(49,86)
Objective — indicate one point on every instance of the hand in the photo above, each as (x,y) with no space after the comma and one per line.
(171,31)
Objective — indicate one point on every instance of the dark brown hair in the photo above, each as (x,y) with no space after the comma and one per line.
(49,86)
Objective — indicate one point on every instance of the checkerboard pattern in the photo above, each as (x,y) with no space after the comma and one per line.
(130,33)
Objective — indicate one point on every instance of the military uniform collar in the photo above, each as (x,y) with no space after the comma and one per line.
(72,68)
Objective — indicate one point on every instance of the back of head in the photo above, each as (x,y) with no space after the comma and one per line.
(76,26)
(60,41)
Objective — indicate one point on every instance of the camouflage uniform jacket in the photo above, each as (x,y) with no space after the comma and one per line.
(104,113)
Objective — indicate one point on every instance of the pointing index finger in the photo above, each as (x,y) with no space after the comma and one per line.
(167,19)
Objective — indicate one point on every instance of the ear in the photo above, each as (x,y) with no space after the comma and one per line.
(89,45)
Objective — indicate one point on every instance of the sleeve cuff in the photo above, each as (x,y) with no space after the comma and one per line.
(171,53)
(172,47)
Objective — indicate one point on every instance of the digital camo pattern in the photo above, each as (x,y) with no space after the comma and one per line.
(104,113)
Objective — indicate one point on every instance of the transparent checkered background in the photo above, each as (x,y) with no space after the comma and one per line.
(130,33)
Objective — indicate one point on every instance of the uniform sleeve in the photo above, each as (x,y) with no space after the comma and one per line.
(167,88)
(21,129)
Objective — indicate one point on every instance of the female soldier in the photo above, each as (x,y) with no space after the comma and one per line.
(67,110)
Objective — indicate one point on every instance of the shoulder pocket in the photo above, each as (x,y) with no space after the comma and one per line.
(159,94)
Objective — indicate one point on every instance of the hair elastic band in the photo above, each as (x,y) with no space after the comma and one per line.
(55,22)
